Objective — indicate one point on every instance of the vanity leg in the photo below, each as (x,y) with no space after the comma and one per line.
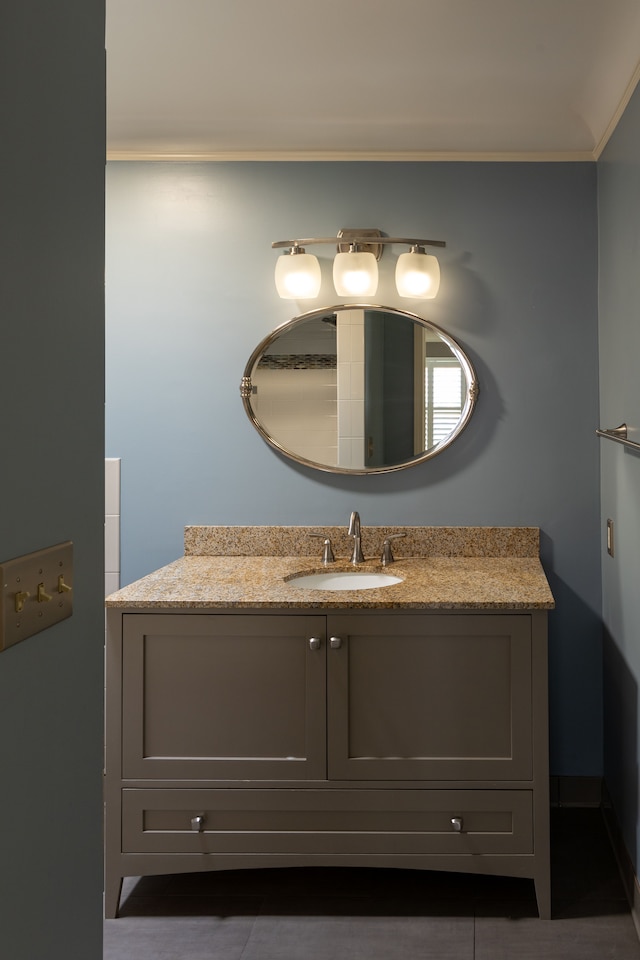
(112,892)
(543,896)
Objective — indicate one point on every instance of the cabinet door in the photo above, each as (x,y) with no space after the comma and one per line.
(223,697)
(429,697)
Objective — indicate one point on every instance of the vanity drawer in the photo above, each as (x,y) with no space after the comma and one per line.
(327,822)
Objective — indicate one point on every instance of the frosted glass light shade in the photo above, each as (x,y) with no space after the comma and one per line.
(298,276)
(355,274)
(417,275)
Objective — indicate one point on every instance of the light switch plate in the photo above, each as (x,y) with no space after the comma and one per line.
(36,591)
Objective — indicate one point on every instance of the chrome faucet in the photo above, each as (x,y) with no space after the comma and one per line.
(354,531)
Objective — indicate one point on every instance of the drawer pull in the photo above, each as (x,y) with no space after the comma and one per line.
(335,643)
(456,823)
(314,643)
(197,823)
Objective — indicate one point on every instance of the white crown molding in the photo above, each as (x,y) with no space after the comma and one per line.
(615,119)
(569,156)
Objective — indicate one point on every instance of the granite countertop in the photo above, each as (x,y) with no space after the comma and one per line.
(503,573)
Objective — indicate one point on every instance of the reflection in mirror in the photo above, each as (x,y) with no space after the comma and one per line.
(359,389)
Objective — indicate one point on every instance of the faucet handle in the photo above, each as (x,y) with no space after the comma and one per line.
(387,556)
(327,552)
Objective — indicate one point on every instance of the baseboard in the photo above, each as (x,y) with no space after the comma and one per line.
(592,792)
(575,791)
(625,864)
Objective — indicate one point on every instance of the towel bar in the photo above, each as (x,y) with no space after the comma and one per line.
(619,434)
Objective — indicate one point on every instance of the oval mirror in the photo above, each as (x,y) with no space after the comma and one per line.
(359,389)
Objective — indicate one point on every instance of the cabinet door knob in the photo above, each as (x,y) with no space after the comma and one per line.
(335,643)
(197,823)
(314,643)
(456,823)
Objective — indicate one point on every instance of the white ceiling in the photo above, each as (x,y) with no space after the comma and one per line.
(536,79)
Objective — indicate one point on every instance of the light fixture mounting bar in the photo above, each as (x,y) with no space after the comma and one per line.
(310,241)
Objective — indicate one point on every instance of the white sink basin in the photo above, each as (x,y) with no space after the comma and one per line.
(344,580)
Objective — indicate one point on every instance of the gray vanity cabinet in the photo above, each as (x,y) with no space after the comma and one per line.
(356,738)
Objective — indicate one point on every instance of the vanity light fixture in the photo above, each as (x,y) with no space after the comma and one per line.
(417,274)
(355,267)
(298,274)
(355,274)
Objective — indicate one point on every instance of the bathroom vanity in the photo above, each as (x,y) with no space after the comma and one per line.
(252,723)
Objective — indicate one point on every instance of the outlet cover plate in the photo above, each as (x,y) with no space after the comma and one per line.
(36,591)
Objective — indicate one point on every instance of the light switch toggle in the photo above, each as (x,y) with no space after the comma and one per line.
(43,596)
(21,596)
(62,586)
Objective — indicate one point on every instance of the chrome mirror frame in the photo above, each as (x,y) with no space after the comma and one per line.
(472,391)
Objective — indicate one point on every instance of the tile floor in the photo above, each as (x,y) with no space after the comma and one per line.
(366,914)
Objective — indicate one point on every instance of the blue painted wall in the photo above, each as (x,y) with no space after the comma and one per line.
(190,293)
(619,213)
